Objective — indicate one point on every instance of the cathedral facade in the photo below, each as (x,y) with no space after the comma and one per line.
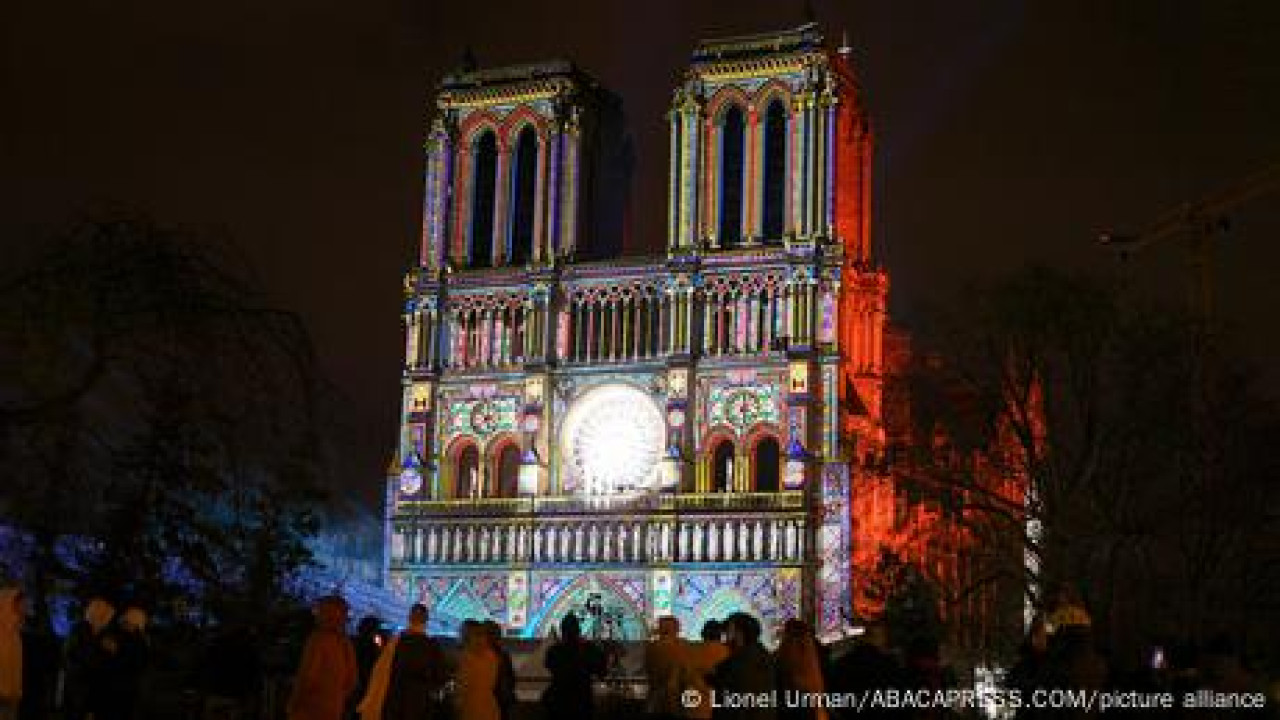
(632,437)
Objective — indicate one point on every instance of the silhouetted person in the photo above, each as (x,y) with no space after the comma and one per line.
(703,657)
(1074,663)
(87,658)
(574,665)
(476,696)
(665,659)
(327,673)
(799,671)
(41,657)
(1031,670)
(868,666)
(749,670)
(128,651)
(408,680)
(231,676)
(12,614)
(506,687)
(368,646)
(923,671)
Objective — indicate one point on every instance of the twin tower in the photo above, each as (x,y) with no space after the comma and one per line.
(769,146)
(665,434)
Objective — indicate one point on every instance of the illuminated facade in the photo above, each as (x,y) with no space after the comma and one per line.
(631,437)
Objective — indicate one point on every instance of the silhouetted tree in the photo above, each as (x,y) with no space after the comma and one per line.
(1143,451)
(165,428)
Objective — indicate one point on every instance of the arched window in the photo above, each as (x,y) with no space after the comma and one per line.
(483,192)
(775,172)
(523,187)
(722,467)
(732,166)
(507,467)
(466,472)
(767,464)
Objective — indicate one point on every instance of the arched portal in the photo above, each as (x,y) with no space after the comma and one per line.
(466,472)
(766,465)
(603,609)
(722,467)
(507,470)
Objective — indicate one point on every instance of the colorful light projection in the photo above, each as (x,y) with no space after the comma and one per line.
(614,438)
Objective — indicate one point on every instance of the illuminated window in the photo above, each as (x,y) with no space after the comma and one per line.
(722,467)
(766,465)
(613,440)
(732,166)
(483,189)
(466,472)
(508,471)
(775,171)
(523,187)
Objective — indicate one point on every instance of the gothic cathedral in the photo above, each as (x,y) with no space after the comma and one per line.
(632,437)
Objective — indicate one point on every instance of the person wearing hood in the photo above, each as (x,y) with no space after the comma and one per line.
(87,659)
(128,650)
(408,679)
(12,611)
(327,674)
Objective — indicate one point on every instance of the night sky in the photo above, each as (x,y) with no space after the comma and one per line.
(1007,133)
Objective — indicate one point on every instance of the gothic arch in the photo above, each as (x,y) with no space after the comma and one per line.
(725,601)
(773,140)
(765,459)
(476,123)
(767,92)
(723,99)
(504,467)
(721,455)
(456,483)
(731,188)
(524,184)
(635,626)
(517,120)
(484,155)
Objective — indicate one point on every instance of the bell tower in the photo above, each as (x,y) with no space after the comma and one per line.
(520,169)
(769,146)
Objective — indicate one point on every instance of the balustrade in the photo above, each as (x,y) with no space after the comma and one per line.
(629,540)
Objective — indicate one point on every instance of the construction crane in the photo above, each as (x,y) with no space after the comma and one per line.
(1200,223)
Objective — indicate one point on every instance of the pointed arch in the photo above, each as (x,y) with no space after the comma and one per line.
(476,123)
(774,130)
(515,122)
(733,174)
(722,99)
(504,467)
(765,454)
(774,89)
(462,468)
(725,601)
(524,189)
(469,130)
(483,152)
(721,456)
(609,592)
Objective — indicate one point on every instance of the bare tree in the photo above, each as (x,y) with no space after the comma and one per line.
(1144,468)
(166,428)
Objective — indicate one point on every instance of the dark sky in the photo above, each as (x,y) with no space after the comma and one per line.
(1007,133)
